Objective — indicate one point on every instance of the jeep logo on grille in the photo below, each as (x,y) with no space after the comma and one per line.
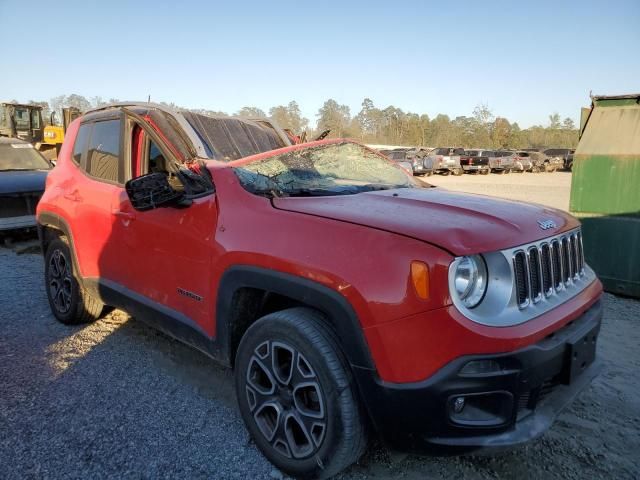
(547,224)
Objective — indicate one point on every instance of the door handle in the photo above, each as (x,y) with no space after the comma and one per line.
(124,215)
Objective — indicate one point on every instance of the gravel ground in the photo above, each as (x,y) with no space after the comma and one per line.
(118,399)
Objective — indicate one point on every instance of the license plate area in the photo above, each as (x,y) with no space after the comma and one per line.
(581,353)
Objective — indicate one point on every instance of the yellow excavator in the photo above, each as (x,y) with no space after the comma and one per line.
(55,131)
(25,122)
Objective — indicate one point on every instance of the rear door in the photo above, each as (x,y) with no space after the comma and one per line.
(101,175)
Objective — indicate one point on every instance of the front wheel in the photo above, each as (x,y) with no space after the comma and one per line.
(297,396)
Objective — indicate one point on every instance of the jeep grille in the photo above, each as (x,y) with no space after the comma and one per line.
(545,268)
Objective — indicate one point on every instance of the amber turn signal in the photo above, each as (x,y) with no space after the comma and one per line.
(420,279)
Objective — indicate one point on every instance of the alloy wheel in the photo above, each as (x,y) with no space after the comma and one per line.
(285,398)
(60,281)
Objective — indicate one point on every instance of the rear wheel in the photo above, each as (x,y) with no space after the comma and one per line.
(297,396)
(69,301)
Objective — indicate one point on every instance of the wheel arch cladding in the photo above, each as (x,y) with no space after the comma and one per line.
(338,312)
(51,226)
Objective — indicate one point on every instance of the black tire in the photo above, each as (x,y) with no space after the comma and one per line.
(70,303)
(294,351)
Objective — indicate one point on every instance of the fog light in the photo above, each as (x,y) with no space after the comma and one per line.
(482,409)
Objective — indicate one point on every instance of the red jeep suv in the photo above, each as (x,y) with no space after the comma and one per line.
(347,299)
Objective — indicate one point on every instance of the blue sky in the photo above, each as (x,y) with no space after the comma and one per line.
(524,59)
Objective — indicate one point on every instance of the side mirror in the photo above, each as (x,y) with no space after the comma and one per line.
(152,191)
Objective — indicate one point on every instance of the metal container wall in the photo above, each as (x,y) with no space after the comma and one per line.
(605,191)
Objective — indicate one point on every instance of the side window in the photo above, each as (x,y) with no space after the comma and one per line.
(103,155)
(80,144)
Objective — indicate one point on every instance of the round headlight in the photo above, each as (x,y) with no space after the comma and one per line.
(470,280)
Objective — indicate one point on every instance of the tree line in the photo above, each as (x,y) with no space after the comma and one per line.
(388,126)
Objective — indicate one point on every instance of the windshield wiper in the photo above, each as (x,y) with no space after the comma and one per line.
(315,192)
(375,187)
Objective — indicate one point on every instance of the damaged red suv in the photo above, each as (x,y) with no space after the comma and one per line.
(348,300)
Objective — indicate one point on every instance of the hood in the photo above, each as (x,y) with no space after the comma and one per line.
(461,223)
(22,181)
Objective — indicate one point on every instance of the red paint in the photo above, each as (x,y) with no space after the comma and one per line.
(361,246)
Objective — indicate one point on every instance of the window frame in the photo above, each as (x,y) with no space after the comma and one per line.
(83,151)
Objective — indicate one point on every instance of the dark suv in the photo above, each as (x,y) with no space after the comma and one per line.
(347,299)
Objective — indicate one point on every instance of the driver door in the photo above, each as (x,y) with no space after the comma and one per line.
(165,252)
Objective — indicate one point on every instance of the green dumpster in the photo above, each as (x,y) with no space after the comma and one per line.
(605,191)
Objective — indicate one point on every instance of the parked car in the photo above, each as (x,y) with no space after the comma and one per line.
(523,161)
(543,163)
(476,160)
(418,157)
(445,160)
(503,162)
(411,159)
(23,171)
(537,158)
(305,270)
(400,157)
(557,154)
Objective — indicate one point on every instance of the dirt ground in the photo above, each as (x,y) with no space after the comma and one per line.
(117,399)
(550,189)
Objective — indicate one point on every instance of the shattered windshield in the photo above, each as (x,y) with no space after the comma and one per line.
(333,169)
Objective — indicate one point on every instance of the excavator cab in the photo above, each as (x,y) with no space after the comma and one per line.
(21,121)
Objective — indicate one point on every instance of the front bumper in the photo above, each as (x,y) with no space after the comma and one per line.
(507,406)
